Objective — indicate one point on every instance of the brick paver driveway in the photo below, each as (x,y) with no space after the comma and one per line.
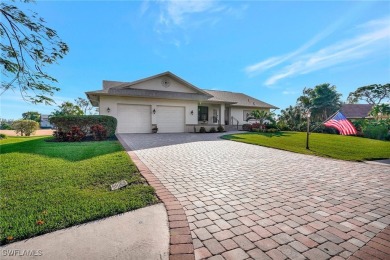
(246,201)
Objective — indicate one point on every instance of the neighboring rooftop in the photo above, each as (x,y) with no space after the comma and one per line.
(356,110)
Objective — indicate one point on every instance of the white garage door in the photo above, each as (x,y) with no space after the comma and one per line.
(134,119)
(170,119)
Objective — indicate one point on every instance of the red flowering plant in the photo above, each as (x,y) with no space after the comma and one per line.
(75,134)
(98,132)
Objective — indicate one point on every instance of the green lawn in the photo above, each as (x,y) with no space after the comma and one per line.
(326,145)
(47,186)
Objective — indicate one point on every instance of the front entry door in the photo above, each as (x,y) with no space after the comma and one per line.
(227,117)
(215,116)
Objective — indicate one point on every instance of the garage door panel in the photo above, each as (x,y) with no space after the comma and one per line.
(170,119)
(134,119)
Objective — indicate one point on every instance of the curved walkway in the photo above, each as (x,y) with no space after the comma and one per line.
(245,201)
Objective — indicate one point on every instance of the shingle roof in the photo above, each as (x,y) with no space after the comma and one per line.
(356,110)
(117,88)
(239,99)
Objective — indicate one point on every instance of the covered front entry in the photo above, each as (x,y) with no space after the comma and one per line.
(134,119)
(170,119)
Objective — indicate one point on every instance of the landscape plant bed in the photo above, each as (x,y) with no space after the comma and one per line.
(348,148)
(88,138)
(46,186)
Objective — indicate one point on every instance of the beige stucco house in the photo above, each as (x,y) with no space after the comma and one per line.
(172,104)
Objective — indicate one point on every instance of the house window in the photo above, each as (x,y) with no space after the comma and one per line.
(203,113)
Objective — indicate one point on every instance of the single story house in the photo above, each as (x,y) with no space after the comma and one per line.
(45,121)
(171,104)
(356,111)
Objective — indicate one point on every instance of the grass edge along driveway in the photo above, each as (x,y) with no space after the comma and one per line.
(46,186)
(349,148)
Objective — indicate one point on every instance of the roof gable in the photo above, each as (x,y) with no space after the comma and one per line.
(166,81)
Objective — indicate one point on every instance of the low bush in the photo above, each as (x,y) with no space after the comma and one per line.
(272,130)
(99,133)
(247,127)
(256,126)
(270,126)
(85,123)
(319,127)
(3,136)
(75,134)
(60,135)
(202,130)
(213,130)
(220,129)
(25,127)
(379,132)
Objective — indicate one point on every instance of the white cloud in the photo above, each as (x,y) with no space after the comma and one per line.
(348,50)
(144,7)
(255,69)
(289,92)
(175,12)
(371,37)
(177,17)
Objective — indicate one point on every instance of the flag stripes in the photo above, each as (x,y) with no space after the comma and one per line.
(341,123)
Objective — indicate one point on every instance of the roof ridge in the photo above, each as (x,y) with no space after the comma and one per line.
(224,91)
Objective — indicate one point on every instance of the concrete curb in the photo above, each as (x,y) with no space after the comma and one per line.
(180,244)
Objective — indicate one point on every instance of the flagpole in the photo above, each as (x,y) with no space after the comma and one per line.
(308,129)
(326,120)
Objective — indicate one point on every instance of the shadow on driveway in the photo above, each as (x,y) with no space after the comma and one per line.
(147,141)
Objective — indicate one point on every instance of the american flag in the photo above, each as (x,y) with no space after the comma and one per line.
(341,123)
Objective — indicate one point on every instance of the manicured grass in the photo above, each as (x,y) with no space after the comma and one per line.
(47,186)
(326,145)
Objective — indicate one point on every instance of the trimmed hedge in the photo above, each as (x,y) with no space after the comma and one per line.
(85,122)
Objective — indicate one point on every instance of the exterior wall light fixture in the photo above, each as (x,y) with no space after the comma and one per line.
(154,111)
(192,112)
(108,110)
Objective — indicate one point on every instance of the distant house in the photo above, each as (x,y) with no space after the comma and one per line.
(357,111)
(45,121)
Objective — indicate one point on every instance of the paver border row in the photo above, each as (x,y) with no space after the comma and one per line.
(180,241)
(376,248)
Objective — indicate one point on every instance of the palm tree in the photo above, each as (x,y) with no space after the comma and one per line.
(380,111)
(262,116)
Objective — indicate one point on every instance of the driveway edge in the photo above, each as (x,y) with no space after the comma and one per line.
(180,244)
(377,247)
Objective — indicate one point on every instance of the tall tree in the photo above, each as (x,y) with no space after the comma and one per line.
(27,46)
(380,111)
(293,117)
(323,100)
(68,109)
(84,105)
(372,94)
(32,115)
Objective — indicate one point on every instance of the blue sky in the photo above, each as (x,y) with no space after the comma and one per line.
(269,50)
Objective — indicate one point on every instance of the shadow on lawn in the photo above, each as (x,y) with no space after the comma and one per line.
(269,135)
(75,151)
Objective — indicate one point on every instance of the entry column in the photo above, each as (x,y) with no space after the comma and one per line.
(222,114)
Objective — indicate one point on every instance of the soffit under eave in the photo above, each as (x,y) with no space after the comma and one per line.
(93,98)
